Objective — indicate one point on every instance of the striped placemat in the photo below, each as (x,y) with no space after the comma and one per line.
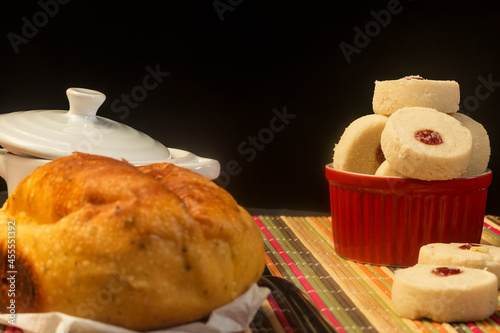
(354,297)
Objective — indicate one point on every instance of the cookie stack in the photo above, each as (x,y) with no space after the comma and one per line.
(415,131)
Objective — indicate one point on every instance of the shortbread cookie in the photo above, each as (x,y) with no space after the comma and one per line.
(481,149)
(462,254)
(358,149)
(426,144)
(444,293)
(392,95)
(385,170)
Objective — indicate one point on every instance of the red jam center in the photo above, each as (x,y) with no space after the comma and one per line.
(446,271)
(380,155)
(429,137)
(467,246)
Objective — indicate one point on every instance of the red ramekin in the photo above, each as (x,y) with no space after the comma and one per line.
(385,220)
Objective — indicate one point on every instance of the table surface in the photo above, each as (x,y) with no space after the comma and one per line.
(354,297)
(351,297)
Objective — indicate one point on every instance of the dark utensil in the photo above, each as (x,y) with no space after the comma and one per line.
(299,310)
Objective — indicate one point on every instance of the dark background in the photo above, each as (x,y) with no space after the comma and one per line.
(230,63)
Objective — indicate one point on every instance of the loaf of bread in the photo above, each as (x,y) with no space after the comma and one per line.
(444,293)
(138,247)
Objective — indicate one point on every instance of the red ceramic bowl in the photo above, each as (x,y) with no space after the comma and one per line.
(385,220)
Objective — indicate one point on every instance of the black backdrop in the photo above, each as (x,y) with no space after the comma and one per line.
(264,86)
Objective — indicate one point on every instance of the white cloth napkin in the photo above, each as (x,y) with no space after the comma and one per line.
(232,317)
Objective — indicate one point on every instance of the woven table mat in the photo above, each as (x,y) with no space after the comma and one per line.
(354,297)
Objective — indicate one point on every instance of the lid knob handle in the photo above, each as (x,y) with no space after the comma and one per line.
(84,102)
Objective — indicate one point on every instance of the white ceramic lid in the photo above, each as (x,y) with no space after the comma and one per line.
(51,134)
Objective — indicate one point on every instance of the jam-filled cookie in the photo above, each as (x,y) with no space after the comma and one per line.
(392,95)
(426,144)
(481,149)
(444,293)
(358,149)
(386,170)
(479,256)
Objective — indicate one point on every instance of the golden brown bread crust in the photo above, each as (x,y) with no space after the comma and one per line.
(142,248)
